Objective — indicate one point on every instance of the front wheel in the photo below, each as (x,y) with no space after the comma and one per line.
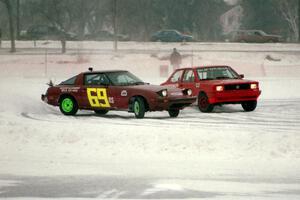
(173,113)
(249,106)
(203,103)
(68,105)
(139,108)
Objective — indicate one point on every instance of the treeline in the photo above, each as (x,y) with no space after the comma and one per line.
(140,18)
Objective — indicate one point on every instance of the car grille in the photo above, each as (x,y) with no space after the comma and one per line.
(237,87)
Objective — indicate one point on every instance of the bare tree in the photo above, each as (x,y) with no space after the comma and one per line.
(289,10)
(114,11)
(11,24)
(298,20)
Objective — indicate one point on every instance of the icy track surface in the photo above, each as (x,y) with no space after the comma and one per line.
(227,154)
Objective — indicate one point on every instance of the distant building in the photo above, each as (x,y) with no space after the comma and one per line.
(231,20)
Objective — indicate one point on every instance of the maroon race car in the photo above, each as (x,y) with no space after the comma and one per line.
(216,85)
(102,91)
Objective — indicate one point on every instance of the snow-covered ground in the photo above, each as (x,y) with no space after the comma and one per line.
(227,154)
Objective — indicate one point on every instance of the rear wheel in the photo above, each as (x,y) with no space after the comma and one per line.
(249,106)
(173,113)
(68,105)
(101,112)
(203,103)
(139,107)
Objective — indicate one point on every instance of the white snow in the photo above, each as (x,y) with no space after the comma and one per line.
(227,154)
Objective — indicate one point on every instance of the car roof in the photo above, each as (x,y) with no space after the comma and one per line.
(103,71)
(204,66)
(252,30)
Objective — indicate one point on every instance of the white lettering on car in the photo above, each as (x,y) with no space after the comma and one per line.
(69,89)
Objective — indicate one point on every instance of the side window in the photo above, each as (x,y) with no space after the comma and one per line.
(202,74)
(95,79)
(188,76)
(176,77)
(257,33)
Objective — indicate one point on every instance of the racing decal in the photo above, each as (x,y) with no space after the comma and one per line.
(111,100)
(176,94)
(69,89)
(124,93)
(98,97)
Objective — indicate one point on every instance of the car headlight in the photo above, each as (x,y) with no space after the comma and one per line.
(253,86)
(187,92)
(163,93)
(219,88)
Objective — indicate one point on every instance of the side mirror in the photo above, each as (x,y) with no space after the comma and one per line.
(241,75)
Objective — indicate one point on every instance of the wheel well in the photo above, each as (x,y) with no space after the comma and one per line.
(202,92)
(131,100)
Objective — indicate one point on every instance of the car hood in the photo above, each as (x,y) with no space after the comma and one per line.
(275,36)
(155,88)
(232,81)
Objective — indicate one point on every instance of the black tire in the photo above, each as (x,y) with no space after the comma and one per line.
(174,113)
(249,106)
(203,103)
(68,105)
(139,108)
(101,112)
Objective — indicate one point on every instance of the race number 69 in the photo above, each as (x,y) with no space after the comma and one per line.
(98,97)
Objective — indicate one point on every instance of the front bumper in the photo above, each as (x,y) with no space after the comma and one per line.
(167,103)
(234,96)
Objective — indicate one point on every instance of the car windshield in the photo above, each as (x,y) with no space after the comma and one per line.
(212,73)
(124,78)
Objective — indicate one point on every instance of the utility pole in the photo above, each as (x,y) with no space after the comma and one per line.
(11,24)
(115,25)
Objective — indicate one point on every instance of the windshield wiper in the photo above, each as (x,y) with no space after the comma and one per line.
(139,83)
(223,77)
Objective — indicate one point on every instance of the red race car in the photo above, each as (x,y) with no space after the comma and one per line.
(216,85)
(102,91)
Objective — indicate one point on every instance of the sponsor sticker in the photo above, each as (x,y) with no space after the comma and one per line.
(69,89)
(176,93)
(124,93)
(111,100)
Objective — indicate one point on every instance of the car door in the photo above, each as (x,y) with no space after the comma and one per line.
(95,92)
(188,80)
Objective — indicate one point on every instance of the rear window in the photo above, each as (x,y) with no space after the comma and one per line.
(70,81)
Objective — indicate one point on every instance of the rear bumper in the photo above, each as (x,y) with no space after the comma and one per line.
(171,103)
(44,98)
(234,96)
